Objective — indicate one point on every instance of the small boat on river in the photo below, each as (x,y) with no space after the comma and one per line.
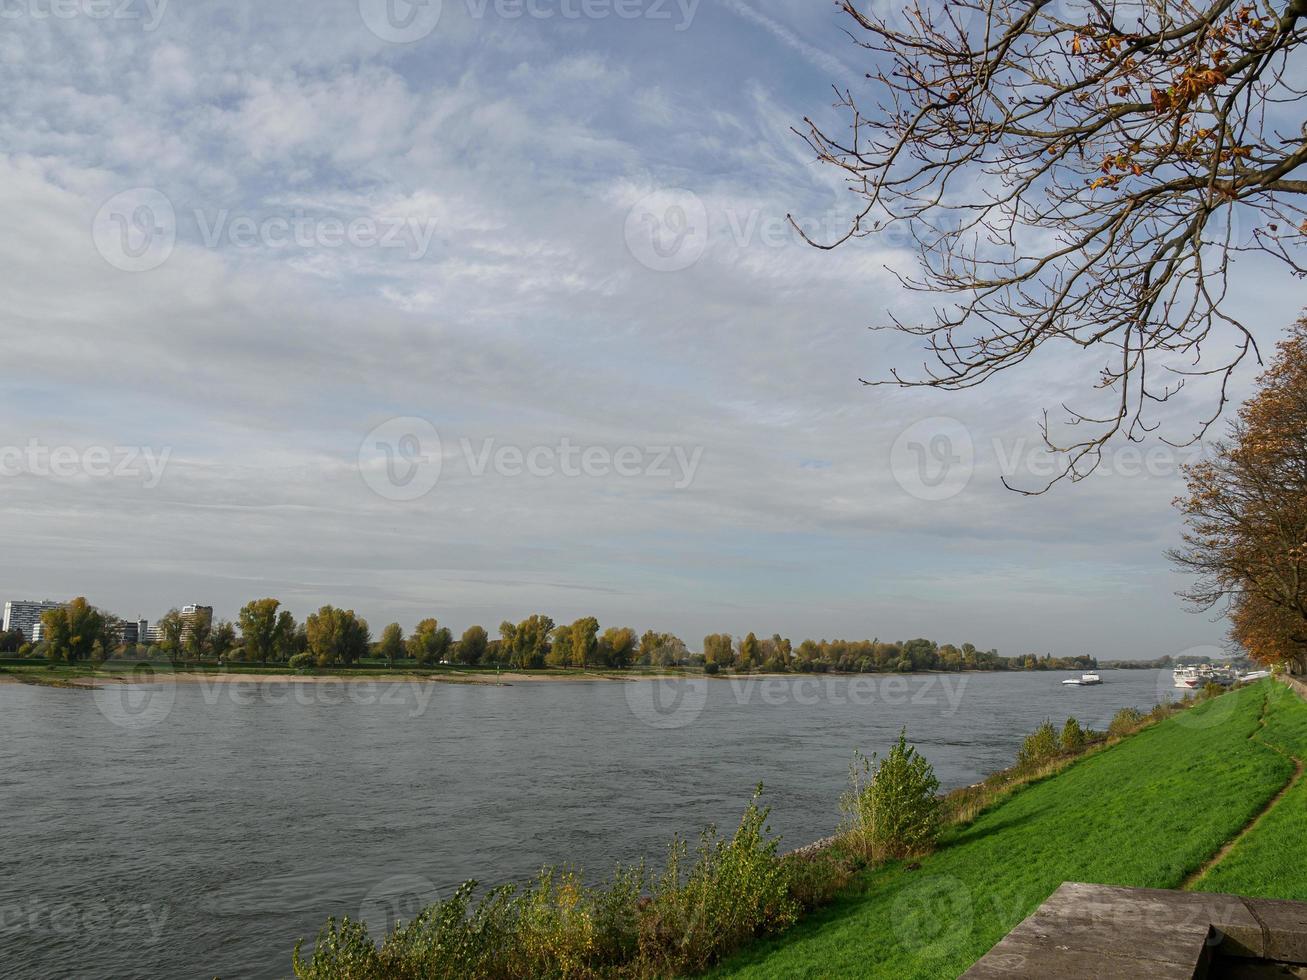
(1084,680)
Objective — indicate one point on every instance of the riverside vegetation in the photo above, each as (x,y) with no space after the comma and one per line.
(933,877)
(266,633)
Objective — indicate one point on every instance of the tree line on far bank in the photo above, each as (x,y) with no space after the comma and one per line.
(265,632)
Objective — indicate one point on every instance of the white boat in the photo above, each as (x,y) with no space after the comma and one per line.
(1194,676)
(1084,680)
(1254,675)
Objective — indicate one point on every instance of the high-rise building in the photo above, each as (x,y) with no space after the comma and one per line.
(129,632)
(193,615)
(26,614)
(189,615)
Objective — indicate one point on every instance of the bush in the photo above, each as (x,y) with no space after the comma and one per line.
(301,661)
(344,950)
(1124,722)
(711,668)
(816,878)
(893,812)
(1073,736)
(735,891)
(681,921)
(1039,748)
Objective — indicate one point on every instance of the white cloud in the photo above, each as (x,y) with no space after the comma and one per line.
(527,321)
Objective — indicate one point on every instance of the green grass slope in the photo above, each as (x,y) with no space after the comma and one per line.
(1146,812)
(1271,861)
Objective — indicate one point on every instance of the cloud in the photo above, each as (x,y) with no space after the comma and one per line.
(527,320)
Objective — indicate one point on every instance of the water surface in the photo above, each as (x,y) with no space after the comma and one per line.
(199,829)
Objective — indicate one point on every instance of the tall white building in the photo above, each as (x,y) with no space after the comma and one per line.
(193,615)
(25,615)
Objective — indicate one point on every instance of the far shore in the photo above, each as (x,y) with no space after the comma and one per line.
(90,677)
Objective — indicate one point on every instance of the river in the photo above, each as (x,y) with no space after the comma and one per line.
(194,830)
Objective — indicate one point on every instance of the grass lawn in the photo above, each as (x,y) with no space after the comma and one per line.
(1145,812)
(1271,861)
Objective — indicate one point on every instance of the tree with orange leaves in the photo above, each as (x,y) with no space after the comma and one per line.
(1246,515)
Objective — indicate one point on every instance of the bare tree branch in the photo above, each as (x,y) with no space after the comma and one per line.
(1079,177)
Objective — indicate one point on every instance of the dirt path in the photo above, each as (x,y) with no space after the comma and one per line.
(1252,824)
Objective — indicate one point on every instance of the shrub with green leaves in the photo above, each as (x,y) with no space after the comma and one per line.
(301,661)
(817,877)
(1124,722)
(680,921)
(1040,747)
(1073,736)
(342,950)
(736,889)
(892,809)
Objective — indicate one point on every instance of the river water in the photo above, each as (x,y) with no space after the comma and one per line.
(198,830)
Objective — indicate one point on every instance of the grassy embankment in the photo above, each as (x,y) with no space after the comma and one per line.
(1148,811)
(1270,861)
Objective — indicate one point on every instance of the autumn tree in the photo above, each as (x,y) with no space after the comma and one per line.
(782,648)
(719,649)
(430,642)
(617,646)
(502,649)
(583,635)
(197,633)
(531,641)
(1077,174)
(76,631)
(661,649)
(289,639)
(1271,633)
(391,646)
(749,652)
(262,629)
(1246,515)
(336,636)
(223,640)
(472,645)
(560,650)
(171,628)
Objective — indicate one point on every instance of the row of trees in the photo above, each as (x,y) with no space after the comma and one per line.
(266,632)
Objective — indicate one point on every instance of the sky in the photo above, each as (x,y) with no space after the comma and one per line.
(485,308)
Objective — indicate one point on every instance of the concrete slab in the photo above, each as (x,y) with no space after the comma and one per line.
(1284,925)
(1091,931)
